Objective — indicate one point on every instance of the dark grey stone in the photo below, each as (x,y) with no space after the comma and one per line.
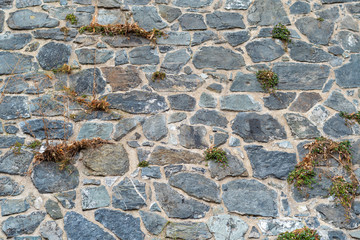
(133,144)
(349,41)
(246,83)
(67,199)
(237,38)
(304,52)
(144,55)
(200,37)
(279,100)
(240,103)
(154,127)
(48,178)
(9,41)
(209,118)
(224,20)
(22,224)
(2,20)
(150,172)
(47,129)
(337,127)
(270,163)
(148,18)
(175,61)
(207,101)
(300,7)
(53,55)
(55,34)
(237,4)
(9,141)
(338,102)
(217,58)
(93,56)
(176,205)
(318,32)
(336,215)
(91,130)
(192,137)
(305,101)
(176,83)
(172,169)
(13,206)
(153,222)
(347,76)
(14,84)
(78,227)
(27,3)
(188,230)
(192,21)
(12,61)
(329,14)
(8,187)
(105,116)
(53,209)
(121,57)
(337,235)
(301,76)
(175,38)
(353,8)
(215,87)
(125,41)
(267,12)
(13,107)
(27,20)
(170,14)
(234,168)
(250,197)
(192,4)
(94,197)
(6,4)
(182,102)
(16,162)
(264,50)
(301,127)
(46,105)
(177,117)
(220,139)
(83,81)
(137,2)
(124,126)
(254,233)
(11,129)
(126,195)
(336,50)
(255,127)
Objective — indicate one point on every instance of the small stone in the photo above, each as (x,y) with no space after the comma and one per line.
(121,57)
(234,168)
(215,87)
(27,19)
(227,227)
(188,230)
(175,61)
(13,107)
(10,41)
(13,206)
(240,103)
(209,118)
(67,199)
(8,187)
(301,127)
(182,102)
(279,100)
(207,101)
(237,5)
(234,142)
(94,197)
(93,56)
(125,126)
(299,8)
(267,12)
(162,156)
(237,38)
(224,20)
(170,14)
(12,59)
(53,209)
(177,117)
(220,139)
(318,32)
(129,195)
(192,21)
(153,222)
(50,230)
(264,50)
(22,224)
(91,130)
(150,172)
(337,127)
(91,181)
(192,137)
(305,101)
(144,55)
(154,128)
(175,38)
(200,37)
(148,18)
(254,233)
(304,52)
(338,102)
(176,83)
(336,215)
(59,34)
(319,114)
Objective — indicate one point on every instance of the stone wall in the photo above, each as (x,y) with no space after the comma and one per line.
(210,96)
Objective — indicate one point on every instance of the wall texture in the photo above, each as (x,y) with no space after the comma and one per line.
(210,96)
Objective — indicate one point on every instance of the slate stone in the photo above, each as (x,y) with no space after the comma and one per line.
(240,103)
(255,127)
(200,37)
(349,41)
(148,18)
(188,230)
(129,195)
(6,4)
(121,57)
(55,129)
(234,168)
(209,118)
(22,224)
(124,126)
(207,101)
(217,58)
(226,226)
(305,101)
(220,139)
(353,8)
(8,187)
(13,206)
(177,117)
(94,197)
(154,127)
(336,127)
(349,23)
(245,83)
(27,3)
(163,156)
(304,52)
(109,16)
(267,12)
(53,209)
(338,102)
(168,13)
(122,78)
(82,82)
(176,205)
(192,4)
(192,21)
(237,5)
(182,102)
(175,38)
(196,185)
(48,178)
(16,163)
(144,55)
(46,105)
(78,227)
(192,137)
(2,20)
(122,41)
(336,50)
(270,163)
(13,107)
(55,34)
(28,238)
(14,84)
(175,61)
(66,199)
(329,13)
(273,227)
(236,38)
(301,76)
(137,2)
(27,20)
(53,55)
(90,130)
(264,50)
(334,235)
(50,230)
(153,222)
(150,172)
(177,83)
(301,127)
(224,20)
(105,116)
(12,60)
(9,141)
(250,197)
(347,75)
(336,215)
(9,41)
(300,7)
(318,32)
(279,100)
(93,56)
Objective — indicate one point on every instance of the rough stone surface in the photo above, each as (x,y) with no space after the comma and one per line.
(94,197)
(209,117)
(336,215)
(182,102)
(174,61)
(346,76)
(301,127)
(264,50)
(154,127)
(55,129)
(267,12)
(245,83)
(13,107)
(227,227)
(192,137)
(305,101)
(9,187)
(239,103)
(10,41)
(338,102)
(22,224)
(192,4)
(144,55)
(67,199)
(93,56)
(224,20)
(82,82)
(12,58)
(318,32)
(170,14)
(55,34)
(13,206)
(92,130)
(192,21)
(163,156)
(188,230)
(27,19)
(153,222)
(235,168)
(129,195)
(53,209)
(304,52)
(336,127)
(275,227)
(16,163)
(50,230)
(279,100)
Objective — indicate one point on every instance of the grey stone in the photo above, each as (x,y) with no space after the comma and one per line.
(336,215)
(349,23)
(264,50)
(209,118)
(9,41)
(215,87)
(349,41)
(78,227)
(109,16)
(105,116)
(163,156)
(93,56)
(301,127)
(155,207)
(55,34)
(240,103)
(153,222)
(270,163)
(148,18)
(354,234)
(246,83)
(177,117)
(27,20)
(192,21)
(172,169)
(16,162)
(94,197)
(28,238)
(150,172)
(319,114)
(175,61)
(177,83)
(12,60)
(207,101)
(192,4)
(13,206)
(255,127)
(301,76)
(137,2)
(237,4)
(2,20)
(336,50)
(224,20)
(129,195)
(220,139)
(176,205)
(305,101)
(318,32)
(217,58)
(279,100)
(121,57)
(329,13)
(91,130)
(91,182)
(304,52)
(154,127)
(192,137)
(27,3)
(250,197)
(196,185)
(53,209)
(200,37)
(124,126)
(237,38)
(170,14)
(144,55)
(347,75)
(15,85)
(83,81)
(122,78)
(175,38)
(122,41)
(53,55)
(254,233)
(8,187)
(9,141)
(182,102)
(48,178)
(22,224)
(338,102)
(50,230)
(227,227)
(273,227)
(234,168)
(234,142)
(13,107)
(46,105)
(356,156)
(336,127)
(67,199)
(267,12)
(300,7)
(188,230)
(6,4)
(47,129)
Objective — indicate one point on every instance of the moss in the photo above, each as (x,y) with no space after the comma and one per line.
(158,76)
(320,19)
(281,32)
(300,234)
(268,80)
(71,18)
(143,164)
(217,155)
(34,144)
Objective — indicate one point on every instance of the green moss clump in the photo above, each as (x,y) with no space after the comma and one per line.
(217,155)
(300,234)
(158,76)
(268,79)
(281,32)
(143,164)
(71,18)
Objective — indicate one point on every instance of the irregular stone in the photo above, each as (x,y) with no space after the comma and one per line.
(78,227)
(336,50)
(177,83)
(246,83)
(83,81)
(237,4)
(28,3)
(109,16)
(94,197)
(172,169)
(153,222)
(192,21)
(122,78)
(347,75)
(27,20)
(148,18)
(137,2)
(217,58)
(46,105)
(58,34)
(150,172)
(255,127)
(9,41)
(22,224)
(175,38)
(349,23)
(9,141)
(329,13)
(338,102)
(301,76)
(8,187)
(105,116)
(14,85)
(6,4)
(305,101)
(319,114)
(163,156)
(28,238)
(234,168)
(254,233)
(177,117)
(301,127)
(304,52)
(13,206)
(121,58)
(154,128)
(93,56)
(318,32)
(227,227)
(241,103)
(279,100)
(300,8)
(13,107)
(67,199)
(16,162)
(267,12)
(209,118)
(182,102)
(234,142)
(124,126)
(207,101)
(129,195)
(250,197)
(188,230)
(200,37)
(144,55)
(192,4)
(192,137)
(2,20)
(336,127)
(170,14)
(90,130)
(175,61)
(220,139)
(270,163)
(176,205)
(336,215)
(349,41)
(237,38)
(224,20)
(11,129)
(53,55)
(53,209)
(122,41)
(12,61)
(273,227)
(264,50)
(50,230)
(47,129)
(48,178)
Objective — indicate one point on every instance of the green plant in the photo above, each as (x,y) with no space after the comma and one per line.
(343,191)
(96,104)
(158,76)
(63,69)
(143,164)
(71,18)
(16,148)
(281,32)
(217,155)
(320,19)
(351,117)
(300,234)
(268,80)
(301,176)
(34,144)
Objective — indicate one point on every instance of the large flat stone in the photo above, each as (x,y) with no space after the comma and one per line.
(13,60)
(83,81)
(224,20)
(90,130)
(279,100)
(148,18)
(338,102)
(9,141)
(336,215)
(267,12)
(239,103)
(228,227)
(16,163)
(144,55)
(154,127)
(264,50)
(234,168)
(153,222)
(304,52)
(9,41)
(166,156)
(55,34)
(53,55)
(192,21)
(318,32)
(245,83)
(13,107)
(301,127)
(129,194)
(47,129)
(177,83)
(122,78)
(93,56)
(347,76)
(192,137)
(27,19)
(94,197)
(188,231)
(209,118)
(8,187)
(192,4)
(22,224)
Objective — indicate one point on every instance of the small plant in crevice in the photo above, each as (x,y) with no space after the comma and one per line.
(158,76)
(96,104)
(34,144)
(16,148)
(320,19)
(351,117)
(300,234)
(143,164)
(343,191)
(268,80)
(217,155)
(65,68)
(281,32)
(71,18)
